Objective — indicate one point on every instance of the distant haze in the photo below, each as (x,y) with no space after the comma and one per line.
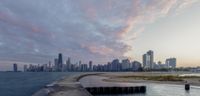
(35,31)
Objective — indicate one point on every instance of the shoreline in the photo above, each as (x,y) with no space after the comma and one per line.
(150,82)
(113,77)
(70,86)
(65,86)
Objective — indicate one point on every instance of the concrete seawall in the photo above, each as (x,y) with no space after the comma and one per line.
(116,90)
(68,86)
(97,85)
(71,86)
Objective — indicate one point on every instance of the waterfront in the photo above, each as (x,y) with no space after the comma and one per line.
(153,89)
(165,90)
(26,83)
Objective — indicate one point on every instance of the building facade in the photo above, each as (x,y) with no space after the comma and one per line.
(148,60)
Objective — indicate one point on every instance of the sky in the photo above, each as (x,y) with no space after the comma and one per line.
(35,31)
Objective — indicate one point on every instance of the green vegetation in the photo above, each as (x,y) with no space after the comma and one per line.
(165,78)
(158,78)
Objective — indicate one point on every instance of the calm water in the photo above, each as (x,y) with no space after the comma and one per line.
(26,83)
(153,89)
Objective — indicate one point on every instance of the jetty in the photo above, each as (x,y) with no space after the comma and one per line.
(96,85)
(68,86)
(72,86)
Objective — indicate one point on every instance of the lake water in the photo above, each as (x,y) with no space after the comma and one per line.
(26,83)
(153,89)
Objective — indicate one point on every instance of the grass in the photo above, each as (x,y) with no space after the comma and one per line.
(156,78)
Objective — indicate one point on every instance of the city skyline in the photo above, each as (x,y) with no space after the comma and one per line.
(35,31)
(61,64)
(116,65)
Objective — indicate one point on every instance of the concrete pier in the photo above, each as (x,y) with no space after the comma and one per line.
(96,85)
(116,90)
(69,86)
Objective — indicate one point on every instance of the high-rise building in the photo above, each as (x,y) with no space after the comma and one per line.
(15,67)
(115,65)
(84,67)
(56,68)
(151,58)
(90,65)
(144,59)
(109,66)
(148,60)
(171,62)
(126,64)
(79,64)
(68,64)
(60,62)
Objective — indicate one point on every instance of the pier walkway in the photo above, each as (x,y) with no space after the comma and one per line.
(68,86)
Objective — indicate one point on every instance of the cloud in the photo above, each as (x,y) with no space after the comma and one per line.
(84,29)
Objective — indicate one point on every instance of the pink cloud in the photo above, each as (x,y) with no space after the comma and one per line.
(101,50)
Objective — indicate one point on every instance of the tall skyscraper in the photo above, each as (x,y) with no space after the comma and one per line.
(56,68)
(68,64)
(60,62)
(148,60)
(90,65)
(144,57)
(15,67)
(151,58)
(79,64)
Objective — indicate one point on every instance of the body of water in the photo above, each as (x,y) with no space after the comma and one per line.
(26,83)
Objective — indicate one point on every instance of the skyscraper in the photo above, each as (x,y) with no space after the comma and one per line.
(60,62)
(68,64)
(15,67)
(56,64)
(90,65)
(144,57)
(79,64)
(148,60)
(151,58)
(126,64)
(115,65)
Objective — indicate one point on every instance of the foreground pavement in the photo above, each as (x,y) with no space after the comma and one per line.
(69,86)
